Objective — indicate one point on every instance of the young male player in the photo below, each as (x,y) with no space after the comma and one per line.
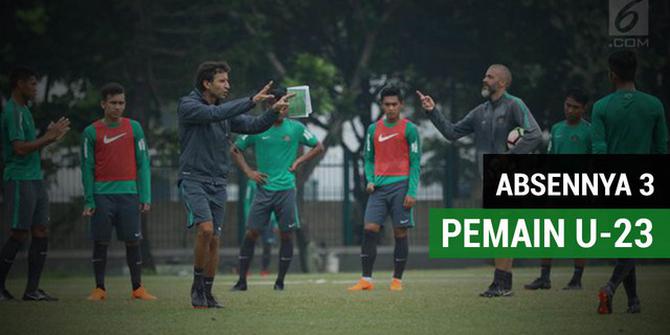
(392,169)
(570,136)
(491,122)
(205,125)
(26,199)
(626,121)
(116,176)
(269,233)
(276,150)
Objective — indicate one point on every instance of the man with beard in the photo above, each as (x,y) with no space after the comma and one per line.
(491,122)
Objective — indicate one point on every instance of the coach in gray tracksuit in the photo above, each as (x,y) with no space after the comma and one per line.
(205,124)
(491,122)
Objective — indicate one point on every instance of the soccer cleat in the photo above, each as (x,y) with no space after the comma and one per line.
(38,295)
(142,294)
(539,283)
(239,286)
(279,286)
(5,295)
(211,301)
(97,294)
(573,285)
(496,290)
(265,273)
(605,296)
(396,285)
(634,306)
(362,285)
(198,298)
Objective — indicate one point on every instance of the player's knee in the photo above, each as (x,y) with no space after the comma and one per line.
(286,235)
(400,232)
(205,231)
(19,235)
(40,231)
(132,243)
(253,234)
(372,227)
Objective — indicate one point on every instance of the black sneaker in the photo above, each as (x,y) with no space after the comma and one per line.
(605,296)
(38,295)
(496,290)
(239,286)
(573,285)
(5,295)
(539,283)
(211,301)
(279,286)
(634,306)
(198,299)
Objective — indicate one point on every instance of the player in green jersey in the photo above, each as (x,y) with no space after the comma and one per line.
(275,150)
(626,121)
(26,199)
(570,136)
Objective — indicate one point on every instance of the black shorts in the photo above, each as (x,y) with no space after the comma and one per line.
(26,204)
(120,211)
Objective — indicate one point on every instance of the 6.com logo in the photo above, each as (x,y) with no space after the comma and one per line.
(629,23)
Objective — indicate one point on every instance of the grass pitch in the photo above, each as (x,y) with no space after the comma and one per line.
(433,302)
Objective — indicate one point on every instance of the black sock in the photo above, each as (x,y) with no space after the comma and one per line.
(369,252)
(508,280)
(197,275)
(577,275)
(99,261)
(209,282)
(134,260)
(37,255)
(400,256)
(630,285)
(246,255)
(503,279)
(621,270)
(545,271)
(7,256)
(285,256)
(267,253)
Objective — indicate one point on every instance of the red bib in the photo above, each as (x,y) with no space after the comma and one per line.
(115,152)
(391,149)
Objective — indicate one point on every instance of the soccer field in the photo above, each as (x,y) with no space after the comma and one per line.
(433,302)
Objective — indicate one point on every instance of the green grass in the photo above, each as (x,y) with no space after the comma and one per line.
(433,302)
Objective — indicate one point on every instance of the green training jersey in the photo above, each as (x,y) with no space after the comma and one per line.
(276,150)
(113,155)
(414,143)
(629,122)
(570,139)
(17,124)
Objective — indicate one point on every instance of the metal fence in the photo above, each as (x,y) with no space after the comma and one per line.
(329,213)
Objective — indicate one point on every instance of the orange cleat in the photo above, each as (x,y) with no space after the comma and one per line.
(142,294)
(396,285)
(265,273)
(97,294)
(362,285)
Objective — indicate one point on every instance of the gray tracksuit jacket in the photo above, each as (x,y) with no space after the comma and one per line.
(204,134)
(491,122)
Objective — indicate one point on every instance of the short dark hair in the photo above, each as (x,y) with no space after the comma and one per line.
(111,89)
(624,64)
(20,73)
(391,92)
(207,70)
(578,94)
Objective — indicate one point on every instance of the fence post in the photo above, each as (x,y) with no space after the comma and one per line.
(347,229)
